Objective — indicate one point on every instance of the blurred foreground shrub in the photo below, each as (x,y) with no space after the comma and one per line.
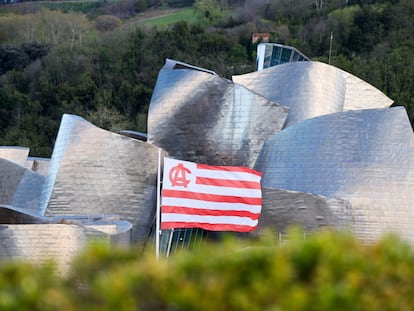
(327,271)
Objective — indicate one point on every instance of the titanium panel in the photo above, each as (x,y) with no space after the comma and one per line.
(13,215)
(19,186)
(134,134)
(14,154)
(39,165)
(11,174)
(39,243)
(93,171)
(197,116)
(28,192)
(283,208)
(111,225)
(171,64)
(362,95)
(309,89)
(364,157)
(312,89)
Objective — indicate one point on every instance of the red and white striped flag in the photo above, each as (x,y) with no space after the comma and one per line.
(218,198)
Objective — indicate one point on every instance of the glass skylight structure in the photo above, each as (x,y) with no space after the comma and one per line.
(272,54)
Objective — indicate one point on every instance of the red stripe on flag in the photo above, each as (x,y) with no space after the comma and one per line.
(228,183)
(208,212)
(210,197)
(206,226)
(229,169)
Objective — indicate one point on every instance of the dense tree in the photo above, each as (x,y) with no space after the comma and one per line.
(12,57)
(209,11)
(107,23)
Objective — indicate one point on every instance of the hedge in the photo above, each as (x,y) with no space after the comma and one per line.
(326,271)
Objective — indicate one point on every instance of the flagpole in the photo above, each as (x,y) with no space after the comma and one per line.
(158,211)
(330,49)
(170,242)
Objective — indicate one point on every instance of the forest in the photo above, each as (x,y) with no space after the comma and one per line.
(99,60)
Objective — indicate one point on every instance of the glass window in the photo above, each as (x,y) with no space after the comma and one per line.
(285,56)
(267,56)
(295,56)
(276,56)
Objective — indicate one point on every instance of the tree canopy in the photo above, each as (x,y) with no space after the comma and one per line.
(103,65)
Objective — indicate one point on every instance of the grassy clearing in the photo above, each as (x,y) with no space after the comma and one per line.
(184,14)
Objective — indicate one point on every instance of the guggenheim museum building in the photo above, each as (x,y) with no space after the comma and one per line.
(331,149)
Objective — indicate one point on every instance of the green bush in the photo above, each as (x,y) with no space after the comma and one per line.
(327,271)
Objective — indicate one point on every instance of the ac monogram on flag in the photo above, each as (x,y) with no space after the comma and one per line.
(218,198)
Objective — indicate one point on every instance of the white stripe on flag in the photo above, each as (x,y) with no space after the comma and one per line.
(229,191)
(227,175)
(167,201)
(234,220)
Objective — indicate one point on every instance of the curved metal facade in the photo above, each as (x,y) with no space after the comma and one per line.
(197,116)
(311,89)
(283,208)
(27,236)
(327,157)
(93,171)
(364,157)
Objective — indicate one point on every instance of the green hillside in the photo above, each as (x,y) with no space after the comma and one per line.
(102,62)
